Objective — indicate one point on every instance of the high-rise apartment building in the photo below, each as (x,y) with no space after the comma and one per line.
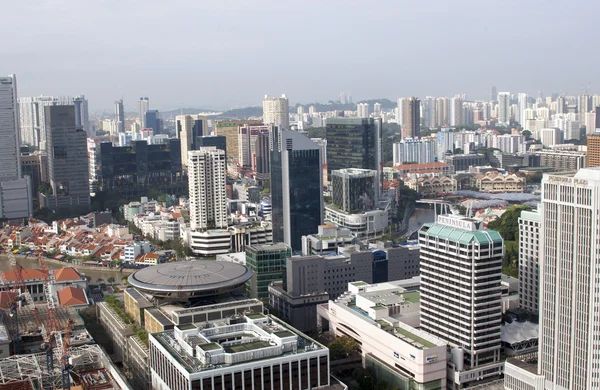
(461,303)
(551,136)
(296,187)
(144,105)
(120,116)
(417,150)
(68,162)
(583,104)
(522,103)
(430,112)
(363,110)
(276,111)
(188,128)
(354,143)
(15,191)
(593,150)
(442,108)
(504,108)
(267,265)
(529,259)
(400,111)
(263,156)
(33,121)
(411,118)
(456,111)
(354,189)
(247,137)
(493,94)
(569,284)
(207,172)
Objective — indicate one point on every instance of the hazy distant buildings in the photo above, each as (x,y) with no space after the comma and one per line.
(456,111)
(120,116)
(593,150)
(230,130)
(276,111)
(248,136)
(188,128)
(33,121)
(504,108)
(296,187)
(417,150)
(411,117)
(67,162)
(153,121)
(15,191)
(144,105)
(363,110)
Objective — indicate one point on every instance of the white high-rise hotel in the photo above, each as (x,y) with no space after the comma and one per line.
(207,178)
(569,296)
(276,111)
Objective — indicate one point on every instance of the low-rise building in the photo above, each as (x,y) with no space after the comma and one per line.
(378,317)
(249,351)
(432,185)
(428,168)
(328,239)
(361,223)
(494,181)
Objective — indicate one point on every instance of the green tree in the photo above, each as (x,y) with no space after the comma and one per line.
(342,347)
(508,224)
(99,280)
(526,134)
(111,280)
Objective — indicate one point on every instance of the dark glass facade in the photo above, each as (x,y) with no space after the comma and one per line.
(353,191)
(139,166)
(266,263)
(353,143)
(219,141)
(153,121)
(296,190)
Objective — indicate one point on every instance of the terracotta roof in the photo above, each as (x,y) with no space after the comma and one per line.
(422,166)
(65,274)
(27,274)
(72,296)
(6,298)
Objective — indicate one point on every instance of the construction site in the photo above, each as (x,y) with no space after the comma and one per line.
(90,369)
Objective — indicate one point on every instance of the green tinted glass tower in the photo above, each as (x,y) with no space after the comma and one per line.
(267,264)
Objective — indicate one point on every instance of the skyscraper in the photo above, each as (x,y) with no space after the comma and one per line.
(529,268)
(68,163)
(354,143)
(430,114)
(276,111)
(153,121)
(267,265)
(522,102)
(207,172)
(363,110)
(411,118)
(593,150)
(296,187)
(569,284)
(33,122)
(493,94)
(400,111)
(144,105)
(15,191)
(120,116)
(461,300)
(504,108)
(456,111)
(443,106)
(247,136)
(188,128)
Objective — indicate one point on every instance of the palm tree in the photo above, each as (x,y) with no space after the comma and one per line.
(100,280)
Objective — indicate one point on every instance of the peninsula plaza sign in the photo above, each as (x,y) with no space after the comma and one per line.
(461,223)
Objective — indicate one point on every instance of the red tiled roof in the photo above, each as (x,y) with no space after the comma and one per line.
(421,166)
(27,274)
(72,296)
(65,274)
(6,297)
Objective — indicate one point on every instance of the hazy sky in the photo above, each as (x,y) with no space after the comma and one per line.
(222,54)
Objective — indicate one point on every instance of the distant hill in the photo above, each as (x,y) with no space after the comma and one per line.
(185,111)
(241,113)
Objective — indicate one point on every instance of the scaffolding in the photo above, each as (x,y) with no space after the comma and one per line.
(88,362)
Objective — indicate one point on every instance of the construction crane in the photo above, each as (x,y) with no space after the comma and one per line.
(65,366)
(51,328)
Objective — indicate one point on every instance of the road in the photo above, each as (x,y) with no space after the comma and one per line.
(418,218)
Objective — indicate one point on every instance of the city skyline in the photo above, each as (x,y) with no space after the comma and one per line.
(488,59)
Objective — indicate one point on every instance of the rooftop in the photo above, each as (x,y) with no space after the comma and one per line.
(72,296)
(455,234)
(190,276)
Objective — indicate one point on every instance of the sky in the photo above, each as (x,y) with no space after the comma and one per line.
(222,54)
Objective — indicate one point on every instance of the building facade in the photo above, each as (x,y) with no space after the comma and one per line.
(461,303)
(68,161)
(266,263)
(415,150)
(411,118)
(229,129)
(276,112)
(529,262)
(354,143)
(593,150)
(188,128)
(296,187)
(354,189)
(208,202)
